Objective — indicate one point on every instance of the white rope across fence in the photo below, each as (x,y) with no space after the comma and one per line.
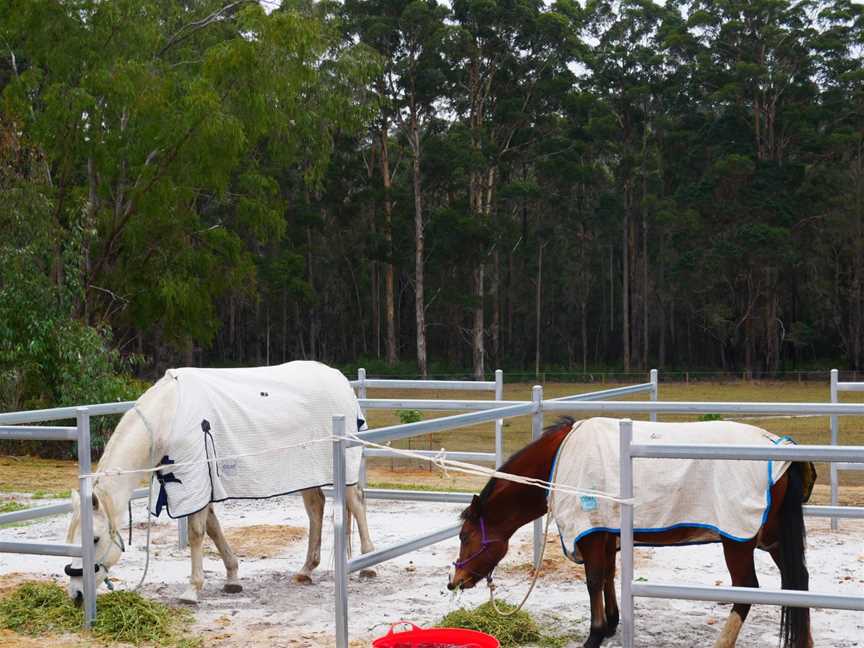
(439,460)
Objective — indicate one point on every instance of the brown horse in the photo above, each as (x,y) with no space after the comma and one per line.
(504,506)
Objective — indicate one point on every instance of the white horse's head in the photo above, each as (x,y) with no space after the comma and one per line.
(107,541)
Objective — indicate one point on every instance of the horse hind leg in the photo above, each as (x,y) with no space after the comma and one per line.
(593,552)
(357,510)
(214,530)
(313,500)
(197,526)
(611,602)
(739,561)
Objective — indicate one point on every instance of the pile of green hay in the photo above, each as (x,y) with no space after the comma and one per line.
(40,608)
(508,630)
(516,630)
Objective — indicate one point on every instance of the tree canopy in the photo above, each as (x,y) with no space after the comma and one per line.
(469,185)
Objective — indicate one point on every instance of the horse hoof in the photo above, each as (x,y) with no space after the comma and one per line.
(302,579)
(368,573)
(232,588)
(190,596)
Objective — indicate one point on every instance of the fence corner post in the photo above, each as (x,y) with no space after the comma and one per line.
(88,559)
(536,433)
(339,539)
(835,439)
(499,423)
(653,380)
(361,383)
(626,492)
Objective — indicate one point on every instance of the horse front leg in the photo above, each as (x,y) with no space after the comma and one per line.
(357,509)
(197,527)
(214,530)
(313,500)
(593,552)
(739,561)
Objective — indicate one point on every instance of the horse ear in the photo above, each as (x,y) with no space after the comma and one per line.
(474,510)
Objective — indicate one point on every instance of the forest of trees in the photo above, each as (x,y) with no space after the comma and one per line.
(465,185)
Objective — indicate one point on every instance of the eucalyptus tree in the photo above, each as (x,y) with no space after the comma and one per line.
(510,64)
(409,34)
(153,120)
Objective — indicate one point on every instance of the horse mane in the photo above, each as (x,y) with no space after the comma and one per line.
(486,493)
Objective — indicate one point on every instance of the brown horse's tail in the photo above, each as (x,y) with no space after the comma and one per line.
(794,621)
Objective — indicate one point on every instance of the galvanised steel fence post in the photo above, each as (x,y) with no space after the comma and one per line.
(499,423)
(339,539)
(653,381)
(361,393)
(835,434)
(536,432)
(626,492)
(88,559)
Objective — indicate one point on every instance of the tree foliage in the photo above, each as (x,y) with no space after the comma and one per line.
(241,183)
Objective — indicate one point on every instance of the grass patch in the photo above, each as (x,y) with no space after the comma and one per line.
(9,506)
(510,631)
(38,608)
(42,495)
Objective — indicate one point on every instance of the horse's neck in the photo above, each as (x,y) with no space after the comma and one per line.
(528,502)
(137,444)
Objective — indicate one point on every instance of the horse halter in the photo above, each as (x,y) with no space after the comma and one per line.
(484,544)
(116,540)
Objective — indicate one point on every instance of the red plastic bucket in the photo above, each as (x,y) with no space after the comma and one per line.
(434,637)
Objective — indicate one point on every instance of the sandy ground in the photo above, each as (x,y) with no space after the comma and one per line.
(274,611)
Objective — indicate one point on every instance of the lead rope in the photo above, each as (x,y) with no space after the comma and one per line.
(542,549)
(533,579)
(147,541)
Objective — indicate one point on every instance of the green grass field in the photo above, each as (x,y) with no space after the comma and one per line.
(23,474)
(805,430)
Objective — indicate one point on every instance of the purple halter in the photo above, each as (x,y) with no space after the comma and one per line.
(484,543)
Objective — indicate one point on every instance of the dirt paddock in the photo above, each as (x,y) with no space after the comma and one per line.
(272,610)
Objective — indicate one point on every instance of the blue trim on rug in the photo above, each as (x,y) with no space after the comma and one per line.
(689,525)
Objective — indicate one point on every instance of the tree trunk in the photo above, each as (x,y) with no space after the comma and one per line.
(419,299)
(478,345)
(625,289)
(538,308)
(389,272)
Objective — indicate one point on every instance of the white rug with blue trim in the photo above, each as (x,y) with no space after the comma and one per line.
(723,497)
(262,412)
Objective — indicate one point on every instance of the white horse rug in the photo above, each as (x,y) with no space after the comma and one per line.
(725,498)
(278,417)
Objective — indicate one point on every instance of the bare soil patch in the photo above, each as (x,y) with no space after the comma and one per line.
(261,540)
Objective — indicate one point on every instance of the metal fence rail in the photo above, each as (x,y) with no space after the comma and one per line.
(497,386)
(630,588)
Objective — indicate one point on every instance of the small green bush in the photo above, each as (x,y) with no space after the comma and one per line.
(711,417)
(409,416)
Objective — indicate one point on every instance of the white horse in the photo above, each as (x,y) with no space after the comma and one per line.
(131,447)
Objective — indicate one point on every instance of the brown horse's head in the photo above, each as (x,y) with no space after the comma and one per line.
(504,506)
(483,545)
